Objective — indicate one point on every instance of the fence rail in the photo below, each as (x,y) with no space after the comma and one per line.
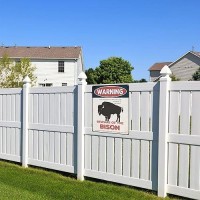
(52,128)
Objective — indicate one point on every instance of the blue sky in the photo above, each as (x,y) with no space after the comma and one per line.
(142,32)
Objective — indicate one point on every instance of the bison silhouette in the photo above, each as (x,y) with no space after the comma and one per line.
(107,108)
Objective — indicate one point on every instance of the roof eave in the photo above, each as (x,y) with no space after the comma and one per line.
(46,58)
(181,58)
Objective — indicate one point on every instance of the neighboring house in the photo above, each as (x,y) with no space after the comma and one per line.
(155,70)
(183,68)
(55,66)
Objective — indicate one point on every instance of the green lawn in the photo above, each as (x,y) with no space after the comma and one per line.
(30,183)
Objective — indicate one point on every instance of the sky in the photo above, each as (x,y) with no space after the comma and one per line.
(143,32)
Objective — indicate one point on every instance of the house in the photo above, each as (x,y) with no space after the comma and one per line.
(55,66)
(155,70)
(183,68)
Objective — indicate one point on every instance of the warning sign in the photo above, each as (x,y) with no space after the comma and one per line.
(110,108)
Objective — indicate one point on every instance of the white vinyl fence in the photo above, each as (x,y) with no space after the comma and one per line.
(52,128)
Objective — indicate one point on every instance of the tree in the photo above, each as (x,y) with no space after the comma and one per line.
(143,80)
(196,75)
(12,74)
(91,76)
(174,78)
(112,70)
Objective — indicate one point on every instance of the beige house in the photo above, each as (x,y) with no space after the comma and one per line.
(55,66)
(183,68)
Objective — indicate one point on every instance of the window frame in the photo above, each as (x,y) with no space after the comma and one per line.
(61,66)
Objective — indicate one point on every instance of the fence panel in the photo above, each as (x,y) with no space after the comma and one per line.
(184,145)
(10,124)
(51,128)
(130,159)
(124,158)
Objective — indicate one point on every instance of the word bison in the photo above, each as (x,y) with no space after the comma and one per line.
(107,108)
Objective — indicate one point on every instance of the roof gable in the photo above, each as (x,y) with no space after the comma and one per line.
(41,52)
(197,54)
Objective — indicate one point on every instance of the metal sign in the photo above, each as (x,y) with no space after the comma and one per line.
(110,108)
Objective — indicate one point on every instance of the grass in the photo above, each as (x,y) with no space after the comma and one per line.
(31,183)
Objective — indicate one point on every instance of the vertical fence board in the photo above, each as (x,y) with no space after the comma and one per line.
(46,108)
(88,154)
(57,147)
(8,109)
(30,109)
(144,109)
(70,106)
(18,142)
(51,108)
(18,107)
(13,141)
(30,144)
(46,146)
(8,137)
(173,164)
(51,147)
(102,154)
(35,108)
(135,97)
(135,158)
(41,108)
(118,156)
(4,140)
(63,110)
(126,157)
(13,108)
(63,148)
(183,165)
(144,160)
(70,155)
(57,109)
(110,155)
(174,112)
(40,150)
(4,111)
(195,168)
(88,109)
(35,145)
(95,149)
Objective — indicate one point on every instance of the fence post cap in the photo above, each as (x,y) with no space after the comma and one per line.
(26,80)
(165,72)
(82,78)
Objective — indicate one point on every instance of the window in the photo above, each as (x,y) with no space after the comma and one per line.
(48,84)
(41,84)
(64,84)
(45,84)
(17,61)
(61,66)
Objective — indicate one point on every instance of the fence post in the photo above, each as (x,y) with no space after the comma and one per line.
(26,86)
(163,131)
(80,128)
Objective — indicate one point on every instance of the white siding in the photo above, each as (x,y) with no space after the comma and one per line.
(47,72)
